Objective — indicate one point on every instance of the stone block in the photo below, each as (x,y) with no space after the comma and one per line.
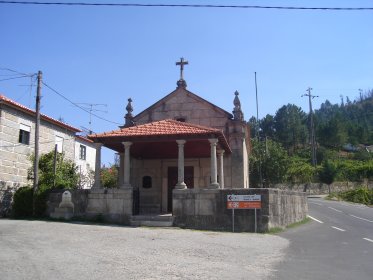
(96,205)
(62,213)
(204,207)
(115,206)
(205,122)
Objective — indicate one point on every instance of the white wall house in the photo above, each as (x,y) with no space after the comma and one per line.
(85,157)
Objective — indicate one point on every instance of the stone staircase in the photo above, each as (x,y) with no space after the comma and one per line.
(164,220)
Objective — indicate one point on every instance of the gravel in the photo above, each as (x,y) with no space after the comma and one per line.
(52,250)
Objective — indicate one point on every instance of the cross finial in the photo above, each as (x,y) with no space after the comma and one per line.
(182,62)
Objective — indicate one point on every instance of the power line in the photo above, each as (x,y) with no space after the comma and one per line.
(78,106)
(189,6)
(13,78)
(14,71)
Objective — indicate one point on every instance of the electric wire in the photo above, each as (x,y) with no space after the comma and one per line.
(17,72)
(189,6)
(78,106)
(13,78)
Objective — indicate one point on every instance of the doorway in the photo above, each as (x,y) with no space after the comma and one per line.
(172,181)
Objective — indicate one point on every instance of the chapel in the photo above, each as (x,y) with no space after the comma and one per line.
(182,141)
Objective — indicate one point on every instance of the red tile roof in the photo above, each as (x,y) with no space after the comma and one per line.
(83,138)
(163,128)
(10,102)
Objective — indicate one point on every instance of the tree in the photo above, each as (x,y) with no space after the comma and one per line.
(290,126)
(333,133)
(327,173)
(270,159)
(267,126)
(66,176)
(300,171)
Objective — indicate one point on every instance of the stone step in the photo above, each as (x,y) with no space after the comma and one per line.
(152,220)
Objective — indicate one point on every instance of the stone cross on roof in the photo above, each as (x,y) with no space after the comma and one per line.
(182,62)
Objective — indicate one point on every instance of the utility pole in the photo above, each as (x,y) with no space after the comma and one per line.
(312,128)
(37,126)
(257,135)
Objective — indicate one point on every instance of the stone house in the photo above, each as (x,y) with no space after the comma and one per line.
(181,141)
(17,136)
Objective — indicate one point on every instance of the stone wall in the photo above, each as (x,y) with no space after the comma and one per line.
(6,198)
(207,209)
(110,205)
(323,189)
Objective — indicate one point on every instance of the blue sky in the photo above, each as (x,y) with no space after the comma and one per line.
(108,54)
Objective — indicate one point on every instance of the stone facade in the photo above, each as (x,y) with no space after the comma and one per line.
(217,156)
(184,105)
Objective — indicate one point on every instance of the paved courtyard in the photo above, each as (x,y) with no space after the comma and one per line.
(52,250)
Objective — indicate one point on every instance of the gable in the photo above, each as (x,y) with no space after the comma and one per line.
(184,104)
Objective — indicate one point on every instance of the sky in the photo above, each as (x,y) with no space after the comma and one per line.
(105,55)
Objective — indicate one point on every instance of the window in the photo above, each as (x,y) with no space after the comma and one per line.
(82,152)
(24,134)
(181,119)
(59,143)
(146,182)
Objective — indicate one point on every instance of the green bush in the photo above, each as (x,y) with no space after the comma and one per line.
(22,203)
(41,203)
(109,177)
(361,195)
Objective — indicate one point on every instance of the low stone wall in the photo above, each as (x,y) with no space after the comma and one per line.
(207,209)
(109,205)
(6,198)
(321,189)
(79,199)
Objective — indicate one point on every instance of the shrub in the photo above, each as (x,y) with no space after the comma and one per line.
(109,177)
(22,203)
(41,203)
(361,195)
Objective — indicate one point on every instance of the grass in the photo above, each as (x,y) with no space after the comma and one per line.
(277,230)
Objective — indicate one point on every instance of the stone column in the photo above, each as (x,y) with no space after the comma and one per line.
(214,176)
(221,168)
(180,166)
(97,183)
(127,166)
(121,169)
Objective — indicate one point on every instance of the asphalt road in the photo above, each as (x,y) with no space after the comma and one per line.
(337,244)
(50,250)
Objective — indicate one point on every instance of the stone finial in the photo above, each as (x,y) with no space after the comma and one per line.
(129,116)
(181,83)
(237,112)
